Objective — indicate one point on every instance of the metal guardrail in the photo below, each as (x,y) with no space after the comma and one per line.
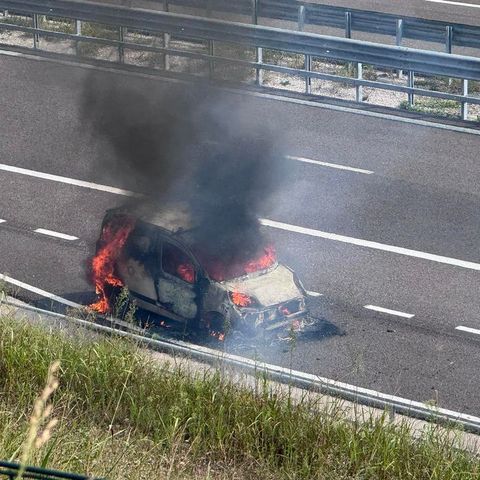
(346,19)
(10,471)
(210,32)
(363,396)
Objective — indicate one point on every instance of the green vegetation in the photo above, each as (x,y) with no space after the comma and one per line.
(123,415)
(433,106)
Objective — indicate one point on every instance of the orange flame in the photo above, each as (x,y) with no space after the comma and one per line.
(113,238)
(240,299)
(265,261)
(218,335)
(218,270)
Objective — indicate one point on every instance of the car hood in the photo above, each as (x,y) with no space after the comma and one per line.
(271,288)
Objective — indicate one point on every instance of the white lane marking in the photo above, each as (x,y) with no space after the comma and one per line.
(2,221)
(367,243)
(314,294)
(264,221)
(390,312)
(51,233)
(331,165)
(69,181)
(468,329)
(458,4)
(39,291)
(268,96)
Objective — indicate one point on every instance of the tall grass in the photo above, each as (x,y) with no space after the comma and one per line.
(124,415)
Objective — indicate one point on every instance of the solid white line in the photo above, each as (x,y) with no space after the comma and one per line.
(2,221)
(264,221)
(314,294)
(269,96)
(458,4)
(39,291)
(69,181)
(331,165)
(468,329)
(390,312)
(367,243)
(51,233)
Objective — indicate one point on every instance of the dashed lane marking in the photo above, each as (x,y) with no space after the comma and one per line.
(331,165)
(51,233)
(39,291)
(2,221)
(310,293)
(369,244)
(468,329)
(388,311)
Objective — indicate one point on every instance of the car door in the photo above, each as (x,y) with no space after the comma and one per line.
(139,263)
(176,284)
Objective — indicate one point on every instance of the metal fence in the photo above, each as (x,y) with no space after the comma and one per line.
(10,471)
(208,36)
(349,20)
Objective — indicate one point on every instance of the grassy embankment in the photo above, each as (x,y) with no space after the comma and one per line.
(123,416)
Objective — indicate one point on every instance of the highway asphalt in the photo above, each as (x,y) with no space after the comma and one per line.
(421,193)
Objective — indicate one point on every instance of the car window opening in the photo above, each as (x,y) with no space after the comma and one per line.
(219,270)
(177,263)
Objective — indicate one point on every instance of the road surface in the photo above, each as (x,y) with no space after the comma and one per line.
(397,229)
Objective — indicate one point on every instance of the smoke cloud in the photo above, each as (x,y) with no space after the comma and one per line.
(190,144)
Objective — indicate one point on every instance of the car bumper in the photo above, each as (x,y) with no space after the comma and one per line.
(275,317)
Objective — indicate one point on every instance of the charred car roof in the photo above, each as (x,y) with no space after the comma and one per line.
(173,217)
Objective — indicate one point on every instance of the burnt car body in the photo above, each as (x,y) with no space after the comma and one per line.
(165,275)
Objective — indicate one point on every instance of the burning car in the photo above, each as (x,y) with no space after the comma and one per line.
(153,253)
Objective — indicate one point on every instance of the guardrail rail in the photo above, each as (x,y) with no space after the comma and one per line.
(392,404)
(201,43)
(348,20)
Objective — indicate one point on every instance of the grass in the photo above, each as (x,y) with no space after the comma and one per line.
(433,106)
(122,415)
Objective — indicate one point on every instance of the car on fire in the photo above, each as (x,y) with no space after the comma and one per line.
(151,252)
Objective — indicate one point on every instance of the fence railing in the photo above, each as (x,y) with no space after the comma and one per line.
(348,20)
(10,471)
(208,34)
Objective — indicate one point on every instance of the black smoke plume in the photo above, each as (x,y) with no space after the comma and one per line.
(189,143)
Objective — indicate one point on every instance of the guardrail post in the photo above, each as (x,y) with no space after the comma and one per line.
(121,48)
(301,17)
(359,88)
(211,48)
(78,31)
(211,63)
(259,50)
(308,79)
(411,84)
(166,41)
(302,13)
(399,39)
(36,37)
(465,103)
(348,24)
(449,39)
